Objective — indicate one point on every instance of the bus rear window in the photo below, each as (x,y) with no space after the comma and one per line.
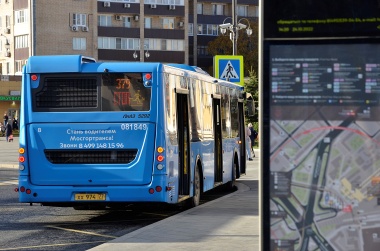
(125,92)
(92,92)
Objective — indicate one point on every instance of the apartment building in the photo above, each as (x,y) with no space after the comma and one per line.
(175,31)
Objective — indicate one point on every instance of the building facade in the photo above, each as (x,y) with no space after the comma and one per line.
(175,31)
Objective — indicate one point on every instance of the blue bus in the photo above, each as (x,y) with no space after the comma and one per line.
(111,133)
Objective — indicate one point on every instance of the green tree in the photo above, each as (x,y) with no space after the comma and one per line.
(247,46)
(251,85)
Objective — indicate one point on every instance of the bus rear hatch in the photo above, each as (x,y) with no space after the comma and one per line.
(84,154)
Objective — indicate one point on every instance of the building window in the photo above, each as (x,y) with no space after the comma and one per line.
(18,65)
(113,43)
(242,10)
(21,41)
(104,20)
(127,22)
(133,43)
(148,23)
(190,30)
(107,43)
(255,11)
(153,44)
(176,45)
(199,8)
(20,16)
(202,50)
(208,29)
(165,2)
(79,19)
(168,23)
(7,21)
(199,29)
(218,9)
(79,43)
(126,43)
(163,44)
(118,43)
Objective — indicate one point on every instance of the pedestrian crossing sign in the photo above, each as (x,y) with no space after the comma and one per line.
(229,68)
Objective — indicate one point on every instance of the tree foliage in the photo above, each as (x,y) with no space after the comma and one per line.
(251,85)
(247,46)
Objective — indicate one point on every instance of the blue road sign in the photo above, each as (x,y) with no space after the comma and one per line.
(229,68)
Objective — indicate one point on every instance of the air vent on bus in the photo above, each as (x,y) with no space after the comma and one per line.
(121,156)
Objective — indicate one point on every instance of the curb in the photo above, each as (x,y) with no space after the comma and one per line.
(241,188)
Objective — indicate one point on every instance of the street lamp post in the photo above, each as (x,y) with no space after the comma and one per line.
(136,55)
(235,27)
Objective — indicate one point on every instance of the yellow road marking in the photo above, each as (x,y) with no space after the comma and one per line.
(51,245)
(82,232)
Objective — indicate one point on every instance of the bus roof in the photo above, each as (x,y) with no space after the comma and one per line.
(79,63)
(190,68)
(204,76)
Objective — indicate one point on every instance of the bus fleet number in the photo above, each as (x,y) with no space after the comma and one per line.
(134,127)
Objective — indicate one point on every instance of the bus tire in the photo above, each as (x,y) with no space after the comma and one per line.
(195,200)
(231,185)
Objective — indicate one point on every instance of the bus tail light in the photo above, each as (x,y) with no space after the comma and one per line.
(160,157)
(148,76)
(147,79)
(21,158)
(160,149)
(34,77)
(158,189)
(151,190)
(22,189)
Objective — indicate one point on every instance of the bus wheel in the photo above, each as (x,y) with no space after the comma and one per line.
(231,186)
(195,200)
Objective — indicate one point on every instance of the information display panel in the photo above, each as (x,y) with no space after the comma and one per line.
(322,18)
(322,180)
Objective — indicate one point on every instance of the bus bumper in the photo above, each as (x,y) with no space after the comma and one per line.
(156,191)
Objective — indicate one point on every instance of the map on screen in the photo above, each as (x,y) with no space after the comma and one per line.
(324,146)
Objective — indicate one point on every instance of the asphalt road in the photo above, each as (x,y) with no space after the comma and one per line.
(9,152)
(25,227)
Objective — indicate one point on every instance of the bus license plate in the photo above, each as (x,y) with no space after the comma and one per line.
(90,196)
